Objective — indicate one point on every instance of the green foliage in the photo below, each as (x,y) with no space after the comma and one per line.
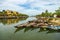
(45,14)
(49,14)
(57,12)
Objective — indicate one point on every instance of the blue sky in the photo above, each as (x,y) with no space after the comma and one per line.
(30,7)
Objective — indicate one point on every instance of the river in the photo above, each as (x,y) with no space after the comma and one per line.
(8,31)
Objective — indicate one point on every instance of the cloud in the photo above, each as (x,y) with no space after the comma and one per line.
(26,6)
(30,7)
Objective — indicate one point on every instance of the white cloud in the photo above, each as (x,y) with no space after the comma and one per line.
(30,7)
(16,1)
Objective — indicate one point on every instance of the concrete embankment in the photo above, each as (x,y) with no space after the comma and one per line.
(12,17)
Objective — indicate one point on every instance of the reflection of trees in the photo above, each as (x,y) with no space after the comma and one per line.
(48,30)
(10,21)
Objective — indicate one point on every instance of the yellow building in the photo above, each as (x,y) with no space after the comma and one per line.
(9,13)
(15,13)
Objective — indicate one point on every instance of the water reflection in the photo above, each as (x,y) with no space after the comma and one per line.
(9,32)
(48,30)
(10,21)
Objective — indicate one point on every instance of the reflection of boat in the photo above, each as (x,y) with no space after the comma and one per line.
(48,29)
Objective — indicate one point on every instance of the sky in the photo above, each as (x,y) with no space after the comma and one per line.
(30,7)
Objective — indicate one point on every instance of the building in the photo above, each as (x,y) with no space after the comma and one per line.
(55,15)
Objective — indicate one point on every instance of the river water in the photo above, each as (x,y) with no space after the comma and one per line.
(9,32)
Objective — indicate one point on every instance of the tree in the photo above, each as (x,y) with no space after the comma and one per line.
(57,12)
(46,14)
